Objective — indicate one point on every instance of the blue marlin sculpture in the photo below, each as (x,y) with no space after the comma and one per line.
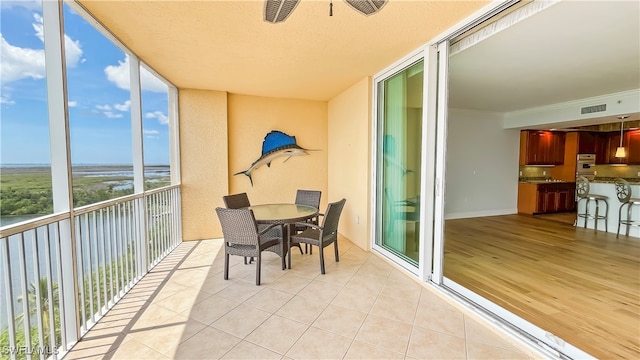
(276,144)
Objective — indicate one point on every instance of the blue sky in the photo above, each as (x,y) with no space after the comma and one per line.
(98,94)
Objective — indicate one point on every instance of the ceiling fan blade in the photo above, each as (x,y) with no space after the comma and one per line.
(276,11)
(367,7)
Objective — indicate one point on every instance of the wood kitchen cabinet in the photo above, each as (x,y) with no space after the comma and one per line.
(602,148)
(541,147)
(586,142)
(632,143)
(607,143)
(614,142)
(542,198)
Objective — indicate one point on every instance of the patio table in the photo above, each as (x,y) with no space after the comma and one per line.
(284,214)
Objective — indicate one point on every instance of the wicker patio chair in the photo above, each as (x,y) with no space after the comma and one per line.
(322,236)
(241,200)
(236,201)
(242,238)
(309,198)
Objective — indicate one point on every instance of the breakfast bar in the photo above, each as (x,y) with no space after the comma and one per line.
(608,188)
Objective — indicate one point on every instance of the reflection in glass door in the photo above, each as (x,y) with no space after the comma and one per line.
(399,132)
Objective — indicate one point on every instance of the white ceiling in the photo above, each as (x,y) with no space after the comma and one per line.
(571,50)
(225,44)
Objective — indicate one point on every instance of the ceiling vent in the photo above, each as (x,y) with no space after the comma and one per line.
(276,11)
(593,109)
(367,7)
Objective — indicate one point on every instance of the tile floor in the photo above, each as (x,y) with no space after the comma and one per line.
(363,308)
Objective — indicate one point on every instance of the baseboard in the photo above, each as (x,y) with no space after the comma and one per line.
(473,214)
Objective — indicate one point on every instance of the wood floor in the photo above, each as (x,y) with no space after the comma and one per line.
(577,284)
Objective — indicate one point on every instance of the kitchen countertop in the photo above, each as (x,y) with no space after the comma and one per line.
(541,181)
(603,180)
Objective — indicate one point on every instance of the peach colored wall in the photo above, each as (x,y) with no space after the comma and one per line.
(349,163)
(250,119)
(203,160)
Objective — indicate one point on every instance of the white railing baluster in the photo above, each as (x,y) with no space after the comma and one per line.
(51,308)
(87,275)
(61,284)
(103,261)
(113,275)
(9,300)
(95,273)
(36,274)
(80,273)
(26,319)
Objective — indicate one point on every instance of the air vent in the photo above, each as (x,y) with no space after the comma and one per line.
(593,109)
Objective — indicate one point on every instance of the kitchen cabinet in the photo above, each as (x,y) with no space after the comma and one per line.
(602,148)
(546,197)
(607,143)
(614,142)
(541,147)
(586,142)
(632,143)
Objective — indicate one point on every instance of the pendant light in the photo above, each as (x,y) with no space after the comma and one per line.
(620,151)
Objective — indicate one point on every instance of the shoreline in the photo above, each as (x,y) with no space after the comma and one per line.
(46,169)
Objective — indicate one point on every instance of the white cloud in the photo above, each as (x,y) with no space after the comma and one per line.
(21,63)
(72,103)
(73,51)
(151,134)
(103,107)
(6,100)
(119,75)
(112,115)
(162,118)
(123,107)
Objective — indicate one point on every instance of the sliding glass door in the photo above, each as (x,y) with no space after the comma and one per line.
(398,160)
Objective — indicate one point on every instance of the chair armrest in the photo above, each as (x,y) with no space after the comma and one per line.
(313,226)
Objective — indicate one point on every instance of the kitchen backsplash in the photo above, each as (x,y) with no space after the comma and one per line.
(625,172)
(604,171)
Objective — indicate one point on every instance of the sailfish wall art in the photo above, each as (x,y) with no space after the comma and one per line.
(276,144)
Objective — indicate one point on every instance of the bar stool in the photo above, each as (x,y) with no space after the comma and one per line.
(582,190)
(623,191)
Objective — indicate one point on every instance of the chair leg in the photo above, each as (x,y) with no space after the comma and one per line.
(619,219)
(335,249)
(300,247)
(226,266)
(628,223)
(258,268)
(321,250)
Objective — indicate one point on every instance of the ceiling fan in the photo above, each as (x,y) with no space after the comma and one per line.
(276,11)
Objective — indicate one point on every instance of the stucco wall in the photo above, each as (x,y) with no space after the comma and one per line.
(349,164)
(203,159)
(250,119)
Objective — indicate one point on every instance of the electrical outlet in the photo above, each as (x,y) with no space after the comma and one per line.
(595,173)
(638,173)
(521,173)
(357,219)
(544,173)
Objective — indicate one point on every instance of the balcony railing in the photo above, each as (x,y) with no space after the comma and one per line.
(66,278)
